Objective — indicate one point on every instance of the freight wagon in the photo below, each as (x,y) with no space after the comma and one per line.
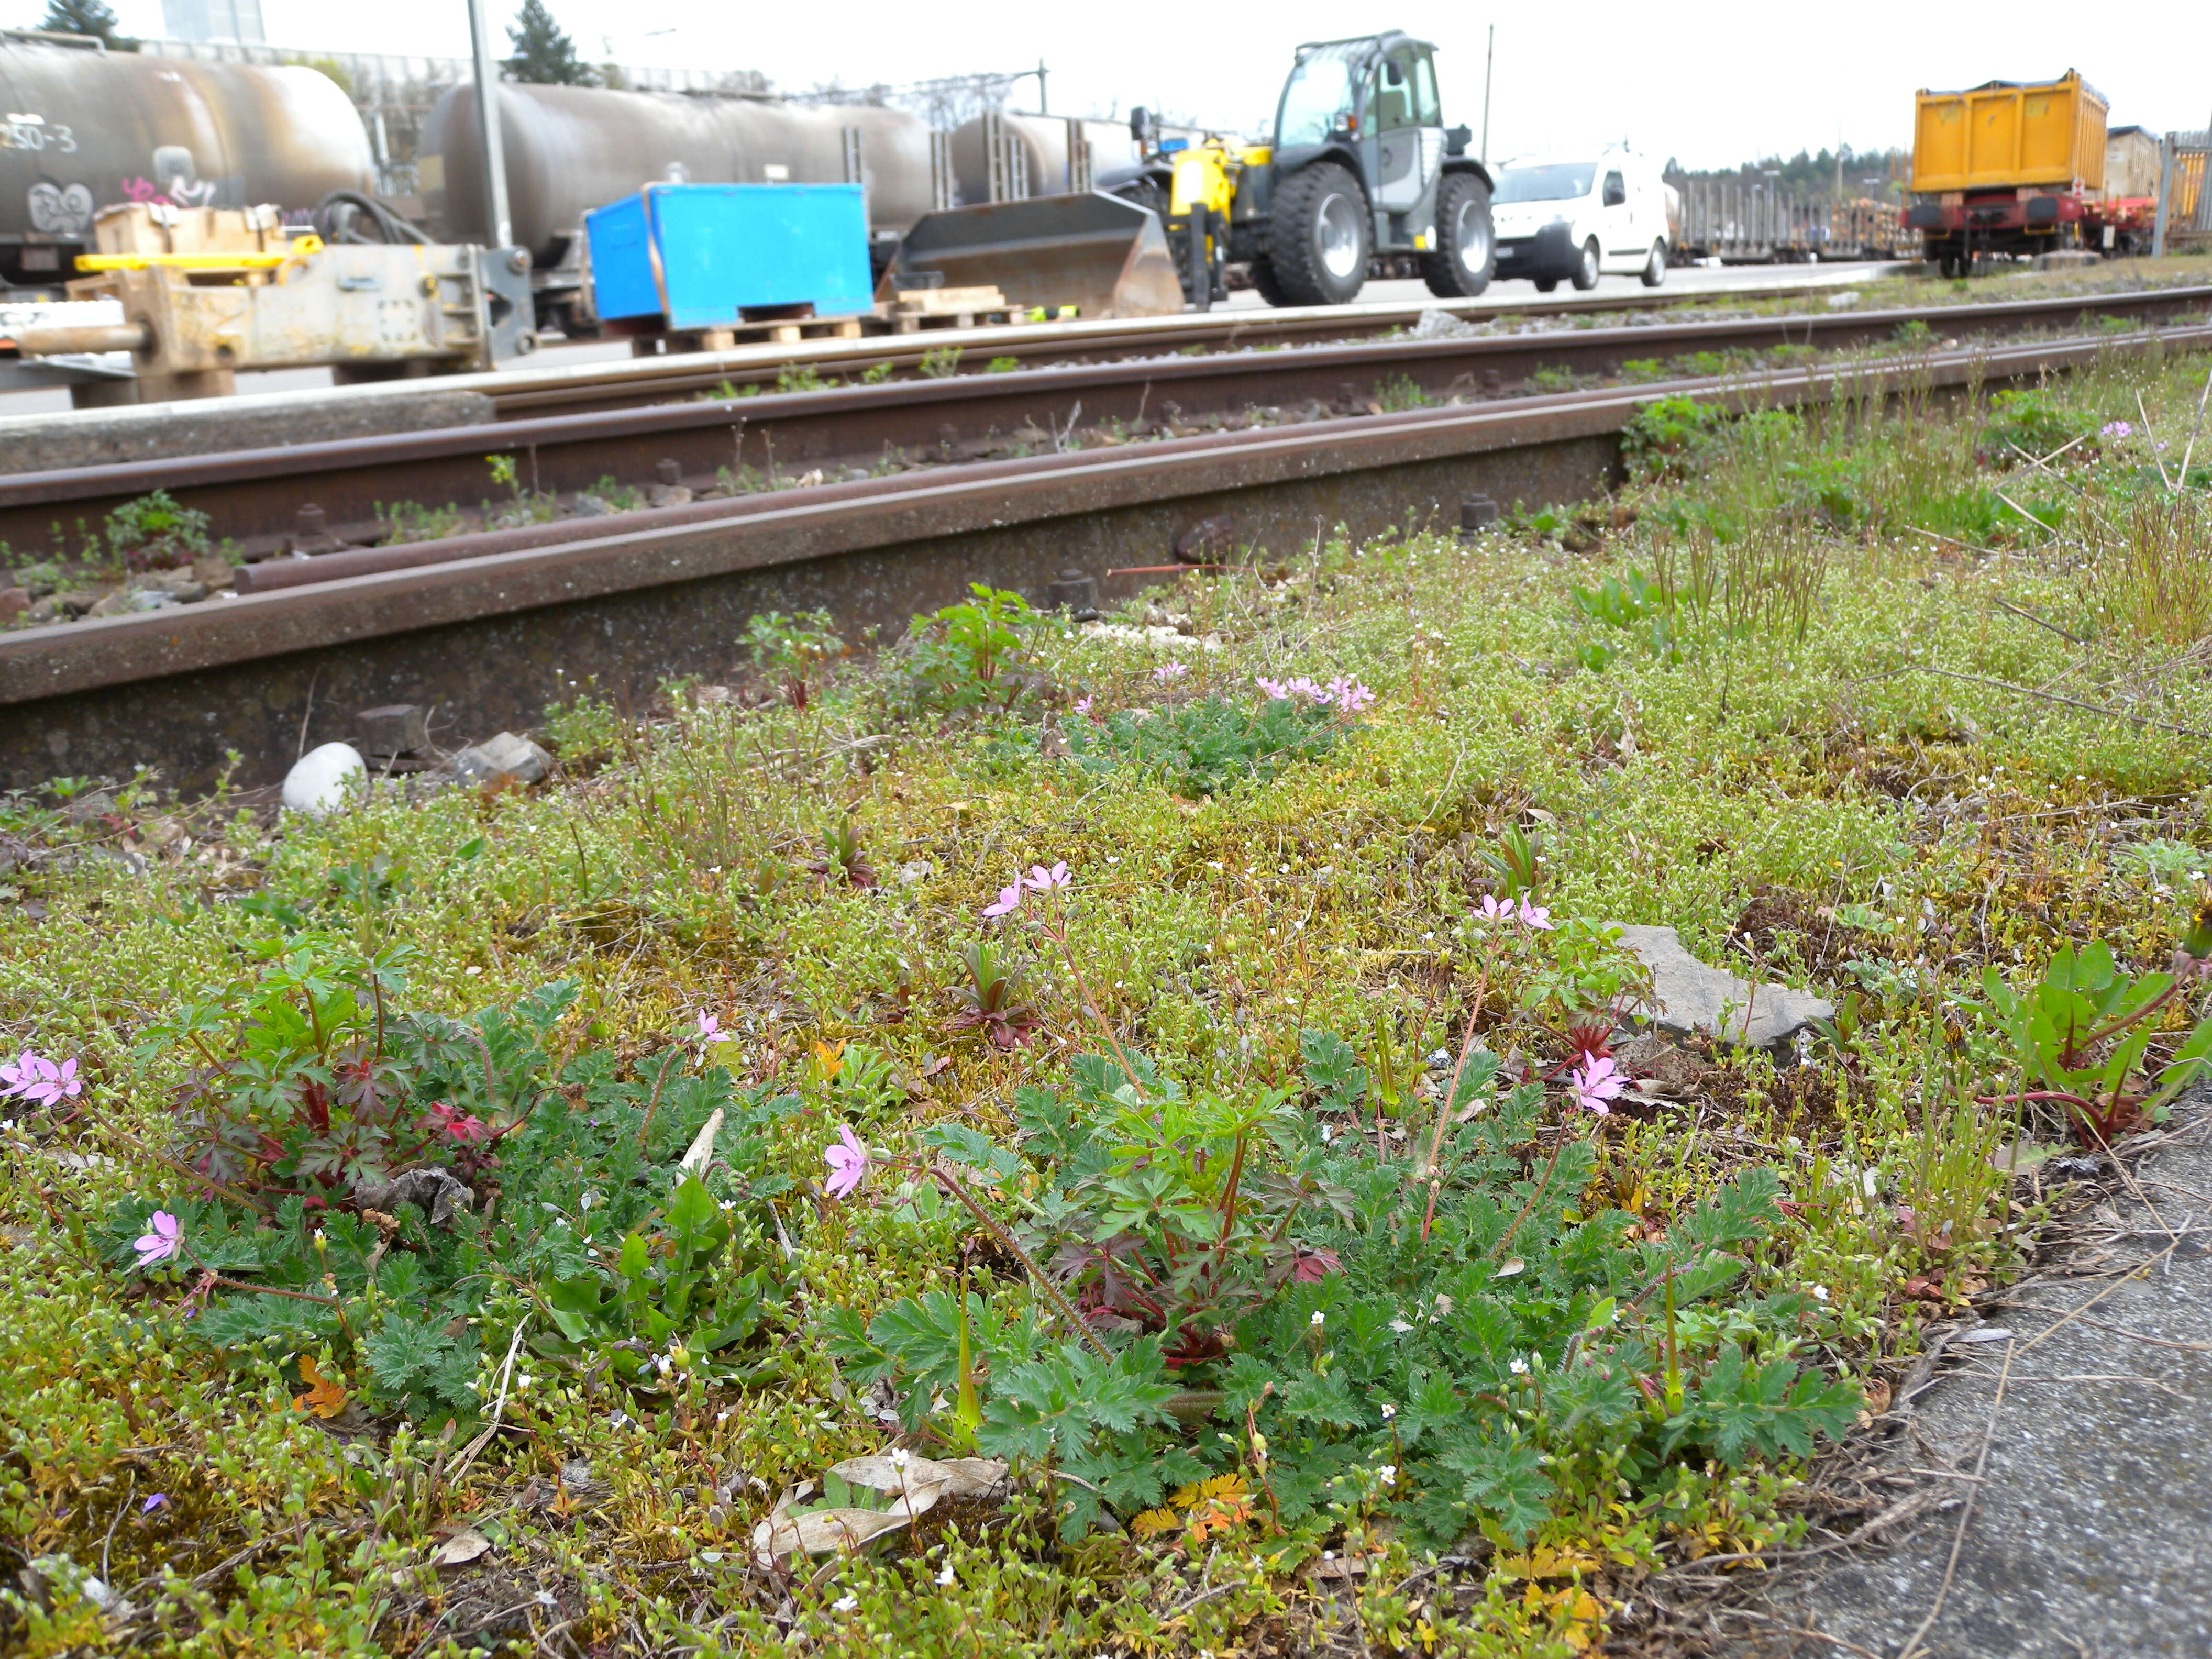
(2015,168)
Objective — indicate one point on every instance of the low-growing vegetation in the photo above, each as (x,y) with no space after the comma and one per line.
(1129,1138)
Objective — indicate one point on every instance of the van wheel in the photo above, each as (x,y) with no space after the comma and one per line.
(1585,277)
(1319,240)
(1466,253)
(1655,268)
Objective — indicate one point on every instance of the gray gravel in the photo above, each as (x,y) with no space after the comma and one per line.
(2093,1532)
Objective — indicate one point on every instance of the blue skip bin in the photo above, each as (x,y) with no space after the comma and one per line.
(703,256)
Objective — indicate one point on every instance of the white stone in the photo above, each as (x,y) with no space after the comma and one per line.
(326,779)
(1690,999)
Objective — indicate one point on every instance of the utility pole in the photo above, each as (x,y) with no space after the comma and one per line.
(1489,56)
(1043,108)
(500,227)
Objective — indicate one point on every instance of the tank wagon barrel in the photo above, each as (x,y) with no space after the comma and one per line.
(85,129)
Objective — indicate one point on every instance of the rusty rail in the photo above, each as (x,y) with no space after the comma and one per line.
(499,631)
(254,496)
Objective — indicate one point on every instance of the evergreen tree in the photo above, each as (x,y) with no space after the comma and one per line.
(543,51)
(85,17)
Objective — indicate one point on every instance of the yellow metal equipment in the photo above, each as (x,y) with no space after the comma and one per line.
(1202,193)
(2007,134)
(207,293)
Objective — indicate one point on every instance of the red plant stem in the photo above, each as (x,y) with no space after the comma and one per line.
(2036,1094)
(653,1105)
(952,1184)
(2126,1020)
(1229,1206)
(189,1173)
(1451,1091)
(1542,1186)
(1056,931)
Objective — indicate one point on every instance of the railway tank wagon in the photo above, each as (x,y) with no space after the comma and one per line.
(571,150)
(82,129)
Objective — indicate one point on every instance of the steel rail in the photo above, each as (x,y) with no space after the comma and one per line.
(500,634)
(656,380)
(253,497)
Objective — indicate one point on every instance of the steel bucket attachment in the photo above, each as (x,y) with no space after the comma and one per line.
(1105,257)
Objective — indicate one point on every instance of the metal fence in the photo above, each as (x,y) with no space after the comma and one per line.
(2185,204)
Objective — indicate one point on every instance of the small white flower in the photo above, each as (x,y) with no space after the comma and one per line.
(1819,1293)
(1319,1319)
(523,1381)
(901,1457)
(1388,1474)
(1400,1326)
(845,1604)
(945,1576)
(1520,1367)
(1389,1411)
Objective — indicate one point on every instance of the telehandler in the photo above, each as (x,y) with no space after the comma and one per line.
(1363,179)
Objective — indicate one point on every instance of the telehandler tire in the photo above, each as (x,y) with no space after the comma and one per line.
(1466,254)
(1321,238)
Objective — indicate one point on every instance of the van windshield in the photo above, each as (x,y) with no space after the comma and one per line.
(1323,90)
(1561,181)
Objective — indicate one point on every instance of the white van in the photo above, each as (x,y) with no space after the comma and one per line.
(1574,216)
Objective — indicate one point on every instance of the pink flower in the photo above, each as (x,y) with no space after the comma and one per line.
(847,1161)
(1596,1081)
(1536,916)
(1494,909)
(1348,693)
(1043,880)
(39,1080)
(1276,689)
(1303,686)
(1010,900)
(711,1032)
(162,1243)
(13,1075)
(2116,429)
(1082,705)
(1170,671)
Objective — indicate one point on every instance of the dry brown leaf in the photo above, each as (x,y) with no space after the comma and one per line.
(463,1547)
(916,1488)
(323,1397)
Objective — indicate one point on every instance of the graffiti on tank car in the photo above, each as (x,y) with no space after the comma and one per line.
(33,133)
(58,210)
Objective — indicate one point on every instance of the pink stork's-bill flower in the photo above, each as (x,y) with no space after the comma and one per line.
(847,1160)
(1595,1082)
(162,1240)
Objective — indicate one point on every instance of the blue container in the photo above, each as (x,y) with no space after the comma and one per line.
(701,256)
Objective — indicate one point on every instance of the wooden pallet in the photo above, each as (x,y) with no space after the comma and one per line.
(918,308)
(783,330)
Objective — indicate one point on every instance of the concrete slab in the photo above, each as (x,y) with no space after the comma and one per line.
(2091,1529)
(145,432)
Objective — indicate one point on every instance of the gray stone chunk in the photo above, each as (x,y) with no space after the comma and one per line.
(506,755)
(398,728)
(1690,999)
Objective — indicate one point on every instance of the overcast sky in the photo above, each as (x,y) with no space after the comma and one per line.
(1712,83)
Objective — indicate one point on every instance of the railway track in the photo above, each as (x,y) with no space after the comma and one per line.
(735,448)
(658,380)
(495,631)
